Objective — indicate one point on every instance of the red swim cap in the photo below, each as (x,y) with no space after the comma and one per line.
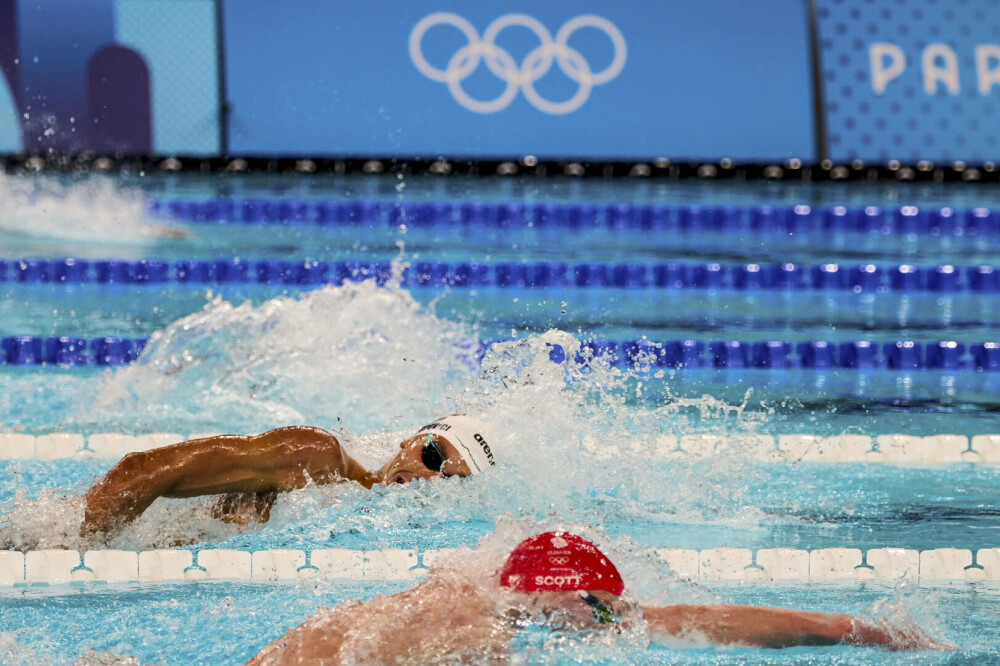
(559,561)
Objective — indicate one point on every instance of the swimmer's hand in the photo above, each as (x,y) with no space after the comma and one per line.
(893,636)
(94,658)
(163,232)
(244,509)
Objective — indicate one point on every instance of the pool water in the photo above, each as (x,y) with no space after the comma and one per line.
(370,362)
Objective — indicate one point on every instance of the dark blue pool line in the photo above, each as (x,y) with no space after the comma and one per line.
(780,219)
(861,277)
(860,355)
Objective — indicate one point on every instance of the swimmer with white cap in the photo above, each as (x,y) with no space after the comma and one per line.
(249,470)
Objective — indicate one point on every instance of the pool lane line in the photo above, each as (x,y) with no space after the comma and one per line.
(894,449)
(897,355)
(782,566)
(781,219)
(749,277)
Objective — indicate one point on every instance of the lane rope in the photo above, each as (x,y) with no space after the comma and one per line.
(763,566)
(782,276)
(899,355)
(900,449)
(789,219)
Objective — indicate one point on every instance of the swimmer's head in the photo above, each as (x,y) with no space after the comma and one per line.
(559,561)
(469,436)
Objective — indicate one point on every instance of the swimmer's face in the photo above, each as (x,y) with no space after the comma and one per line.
(569,610)
(408,463)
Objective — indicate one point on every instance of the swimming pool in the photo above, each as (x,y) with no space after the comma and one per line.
(239,341)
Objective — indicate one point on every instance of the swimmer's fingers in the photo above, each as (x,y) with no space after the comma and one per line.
(163,232)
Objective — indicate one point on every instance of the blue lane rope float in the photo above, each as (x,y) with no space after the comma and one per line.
(740,277)
(797,219)
(68,351)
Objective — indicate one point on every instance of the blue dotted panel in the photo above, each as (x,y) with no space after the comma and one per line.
(177,40)
(905,122)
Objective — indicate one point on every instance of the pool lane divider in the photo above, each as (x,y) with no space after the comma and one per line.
(896,449)
(764,566)
(781,219)
(900,355)
(741,277)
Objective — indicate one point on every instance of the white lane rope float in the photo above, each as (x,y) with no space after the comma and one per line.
(901,449)
(939,566)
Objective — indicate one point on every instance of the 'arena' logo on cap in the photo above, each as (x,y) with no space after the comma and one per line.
(486,448)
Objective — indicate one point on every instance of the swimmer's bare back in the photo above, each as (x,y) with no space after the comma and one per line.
(275,461)
(417,626)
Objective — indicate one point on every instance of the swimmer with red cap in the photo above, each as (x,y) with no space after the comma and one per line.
(562,577)
(249,471)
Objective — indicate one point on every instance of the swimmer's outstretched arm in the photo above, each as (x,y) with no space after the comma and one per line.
(278,460)
(754,626)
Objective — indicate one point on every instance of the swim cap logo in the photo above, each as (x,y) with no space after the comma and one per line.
(559,581)
(559,542)
(501,63)
(486,448)
(435,426)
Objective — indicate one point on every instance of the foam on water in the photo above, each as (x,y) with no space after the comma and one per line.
(54,216)
(371,364)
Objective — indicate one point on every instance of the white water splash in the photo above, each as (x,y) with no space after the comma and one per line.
(47,214)
(364,359)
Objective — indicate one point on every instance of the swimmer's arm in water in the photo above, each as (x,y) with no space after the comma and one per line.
(244,508)
(275,461)
(779,627)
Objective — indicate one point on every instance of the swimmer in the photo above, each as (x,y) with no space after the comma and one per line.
(565,578)
(249,471)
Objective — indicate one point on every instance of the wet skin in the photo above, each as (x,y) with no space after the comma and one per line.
(452,617)
(247,471)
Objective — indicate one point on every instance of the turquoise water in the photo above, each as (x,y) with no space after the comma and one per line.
(227,623)
(371,363)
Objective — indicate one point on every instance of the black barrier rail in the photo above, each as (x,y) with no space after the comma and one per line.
(69,351)
(793,170)
(742,277)
(784,220)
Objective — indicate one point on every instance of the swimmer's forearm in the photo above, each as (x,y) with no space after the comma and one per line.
(779,627)
(123,494)
(747,625)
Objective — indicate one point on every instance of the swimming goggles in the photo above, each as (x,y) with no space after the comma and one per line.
(432,456)
(602,612)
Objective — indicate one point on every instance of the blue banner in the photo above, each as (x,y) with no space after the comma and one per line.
(910,80)
(113,76)
(630,80)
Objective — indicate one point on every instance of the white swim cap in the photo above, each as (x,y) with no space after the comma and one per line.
(469,436)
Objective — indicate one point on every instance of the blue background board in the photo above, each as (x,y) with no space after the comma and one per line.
(703,79)
(57,39)
(905,121)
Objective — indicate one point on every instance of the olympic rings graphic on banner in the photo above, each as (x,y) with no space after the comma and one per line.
(535,65)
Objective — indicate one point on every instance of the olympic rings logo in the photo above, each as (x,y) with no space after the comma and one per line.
(534,66)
